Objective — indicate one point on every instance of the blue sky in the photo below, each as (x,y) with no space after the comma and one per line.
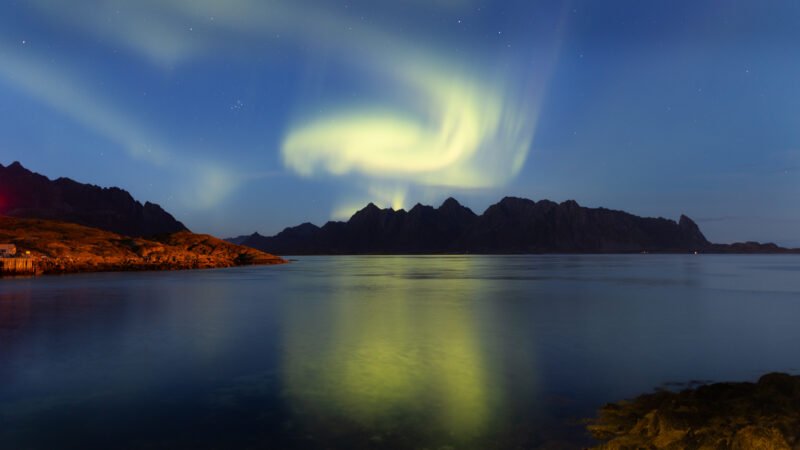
(251,115)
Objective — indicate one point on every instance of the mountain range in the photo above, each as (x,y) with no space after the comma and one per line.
(513,225)
(26,194)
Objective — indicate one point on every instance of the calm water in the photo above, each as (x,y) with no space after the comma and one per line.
(379,352)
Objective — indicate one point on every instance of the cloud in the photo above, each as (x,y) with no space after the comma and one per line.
(450,122)
(63,92)
(462,135)
(203,183)
(447,124)
(446,127)
(170,32)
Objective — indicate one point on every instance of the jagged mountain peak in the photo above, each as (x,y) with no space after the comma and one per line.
(27,194)
(512,225)
(450,202)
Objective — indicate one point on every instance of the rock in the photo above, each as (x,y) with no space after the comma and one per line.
(60,247)
(763,415)
(759,438)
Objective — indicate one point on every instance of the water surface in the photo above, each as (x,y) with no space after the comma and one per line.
(379,352)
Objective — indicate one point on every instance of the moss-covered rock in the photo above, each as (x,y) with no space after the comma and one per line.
(763,415)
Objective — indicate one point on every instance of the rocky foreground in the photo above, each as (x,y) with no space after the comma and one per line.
(763,415)
(61,247)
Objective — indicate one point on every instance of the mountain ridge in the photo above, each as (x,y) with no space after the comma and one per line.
(63,226)
(511,226)
(27,194)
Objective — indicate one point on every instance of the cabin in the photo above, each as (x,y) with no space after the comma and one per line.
(7,250)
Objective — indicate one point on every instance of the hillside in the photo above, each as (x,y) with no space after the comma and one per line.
(28,194)
(60,247)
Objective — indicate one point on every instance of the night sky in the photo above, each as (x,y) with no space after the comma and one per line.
(247,115)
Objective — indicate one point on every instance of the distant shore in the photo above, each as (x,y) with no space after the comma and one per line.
(511,226)
(782,251)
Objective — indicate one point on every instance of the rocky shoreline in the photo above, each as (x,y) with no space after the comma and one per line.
(763,415)
(60,248)
(70,265)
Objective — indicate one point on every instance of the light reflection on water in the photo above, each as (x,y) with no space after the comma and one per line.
(379,352)
(398,349)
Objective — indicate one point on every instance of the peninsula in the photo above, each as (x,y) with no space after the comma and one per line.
(62,226)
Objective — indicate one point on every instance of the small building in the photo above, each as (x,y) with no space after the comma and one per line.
(7,250)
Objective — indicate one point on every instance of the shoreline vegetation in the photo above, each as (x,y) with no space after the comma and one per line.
(60,248)
(762,415)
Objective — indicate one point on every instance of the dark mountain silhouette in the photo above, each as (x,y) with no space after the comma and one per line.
(240,239)
(513,225)
(26,194)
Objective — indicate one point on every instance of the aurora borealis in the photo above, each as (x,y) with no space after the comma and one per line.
(251,115)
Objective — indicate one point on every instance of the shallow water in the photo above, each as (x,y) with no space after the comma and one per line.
(380,352)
